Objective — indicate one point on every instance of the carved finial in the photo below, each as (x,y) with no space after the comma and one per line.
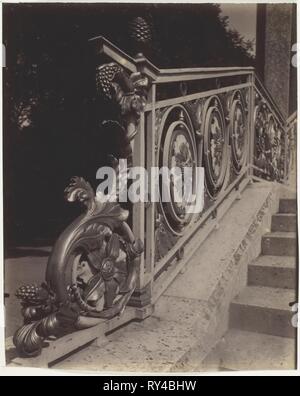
(140,32)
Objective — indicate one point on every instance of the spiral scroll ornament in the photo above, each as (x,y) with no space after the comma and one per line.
(91,273)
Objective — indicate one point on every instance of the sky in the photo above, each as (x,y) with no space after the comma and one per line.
(242,17)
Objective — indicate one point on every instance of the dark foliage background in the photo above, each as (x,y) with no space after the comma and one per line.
(52,126)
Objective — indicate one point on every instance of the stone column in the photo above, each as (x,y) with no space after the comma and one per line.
(275,41)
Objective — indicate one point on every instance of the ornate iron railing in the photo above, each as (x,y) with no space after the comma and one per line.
(221,119)
(271,154)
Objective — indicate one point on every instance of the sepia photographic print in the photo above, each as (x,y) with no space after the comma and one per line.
(149,188)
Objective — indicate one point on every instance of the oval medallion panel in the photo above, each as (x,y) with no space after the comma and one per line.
(215,146)
(238,132)
(177,151)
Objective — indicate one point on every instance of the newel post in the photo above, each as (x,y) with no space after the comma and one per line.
(141,73)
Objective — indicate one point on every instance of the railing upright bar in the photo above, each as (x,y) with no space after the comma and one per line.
(285,155)
(150,211)
(251,124)
(268,97)
(138,215)
(275,113)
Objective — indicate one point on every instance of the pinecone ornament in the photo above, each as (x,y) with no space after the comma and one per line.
(140,31)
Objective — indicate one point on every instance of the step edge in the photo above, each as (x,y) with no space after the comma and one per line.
(277,310)
(290,294)
(235,332)
(283,214)
(287,266)
(281,234)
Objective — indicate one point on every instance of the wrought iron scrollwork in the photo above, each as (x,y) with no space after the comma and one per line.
(92,270)
(269,143)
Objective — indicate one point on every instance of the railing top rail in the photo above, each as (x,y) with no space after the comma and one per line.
(104,46)
(269,98)
(185,74)
(204,70)
(292,118)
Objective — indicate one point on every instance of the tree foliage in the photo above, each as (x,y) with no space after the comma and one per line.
(50,128)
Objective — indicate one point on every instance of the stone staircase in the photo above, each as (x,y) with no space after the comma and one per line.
(261,335)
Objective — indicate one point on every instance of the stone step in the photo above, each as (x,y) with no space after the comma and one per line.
(243,350)
(287,192)
(279,244)
(284,222)
(273,271)
(264,310)
(287,205)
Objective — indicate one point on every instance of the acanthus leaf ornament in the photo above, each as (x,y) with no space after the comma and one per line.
(91,273)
